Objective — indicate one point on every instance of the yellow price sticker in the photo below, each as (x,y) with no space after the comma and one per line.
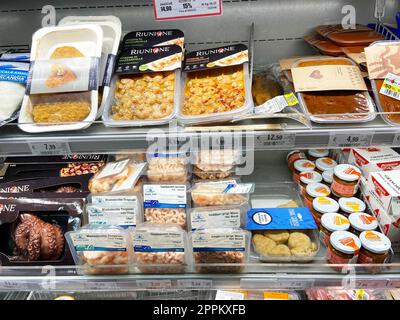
(276,295)
(291,99)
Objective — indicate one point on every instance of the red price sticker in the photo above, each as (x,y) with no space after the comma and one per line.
(185,9)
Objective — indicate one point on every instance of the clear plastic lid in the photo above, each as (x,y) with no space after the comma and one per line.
(345,242)
(328,176)
(352,205)
(325,205)
(347,172)
(335,222)
(325,164)
(310,177)
(318,153)
(363,222)
(318,190)
(375,242)
(304,165)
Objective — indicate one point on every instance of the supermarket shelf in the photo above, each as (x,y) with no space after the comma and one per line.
(99,139)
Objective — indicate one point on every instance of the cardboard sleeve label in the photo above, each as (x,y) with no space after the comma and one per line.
(382,60)
(327,78)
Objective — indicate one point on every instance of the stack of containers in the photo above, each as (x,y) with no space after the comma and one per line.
(145,88)
(218,215)
(161,244)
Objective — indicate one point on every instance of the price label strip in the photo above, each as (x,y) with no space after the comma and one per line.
(194,284)
(154,284)
(49,148)
(275,140)
(184,9)
(350,140)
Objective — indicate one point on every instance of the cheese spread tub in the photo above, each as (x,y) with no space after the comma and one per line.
(346,180)
(375,248)
(327,176)
(314,154)
(336,106)
(321,206)
(216,85)
(325,164)
(361,222)
(315,190)
(301,166)
(344,248)
(307,178)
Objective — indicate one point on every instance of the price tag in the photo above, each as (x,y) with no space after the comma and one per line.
(230,295)
(350,140)
(49,148)
(97,285)
(275,140)
(181,9)
(194,284)
(370,284)
(296,284)
(391,86)
(154,284)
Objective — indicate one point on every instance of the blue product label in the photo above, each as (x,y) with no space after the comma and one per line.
(14,72)
(217,249)
(280,218)
(22,56)
(150,249)
(156,204)
(92,248)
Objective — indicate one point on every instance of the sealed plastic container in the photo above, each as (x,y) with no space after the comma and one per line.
(385,103)
(307,178)
(167,168)
(112,30)
(220,250)
(336,106)
(155,104)
(325,164)
(160,248)
(211,194)
(361,222)
(331,222)
(64,111)
(321,206)
(315,190)
(117,176)
(344,248)
(221,217)
(352,205)
(348,38)
(375,248)
(101,249)
(285,245)
(346,179)
(314,154)
(301,166)
(215,164)
(166,204)
(201,91)
(123,209)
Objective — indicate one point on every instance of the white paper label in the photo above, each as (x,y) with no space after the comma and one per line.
(194,284)
(219,241)
(49,148)
(99,241)
(277,104)
(229,295)
(279,140)
(158,241)
(350,140)
(110,200)
(113,168)
(391,86)
(179,9)
(164,196)
(124,215)
(227,218)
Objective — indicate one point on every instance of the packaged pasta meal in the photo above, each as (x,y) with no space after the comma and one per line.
(145,87)
(216,85)
(221,193)
(341,98)
(62,89)
(283,234)
(384,71)
(101,249)
(160,248)
(164,167)
(165,204)
(112,29)
(215,164)
(117,176)
(220,250)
